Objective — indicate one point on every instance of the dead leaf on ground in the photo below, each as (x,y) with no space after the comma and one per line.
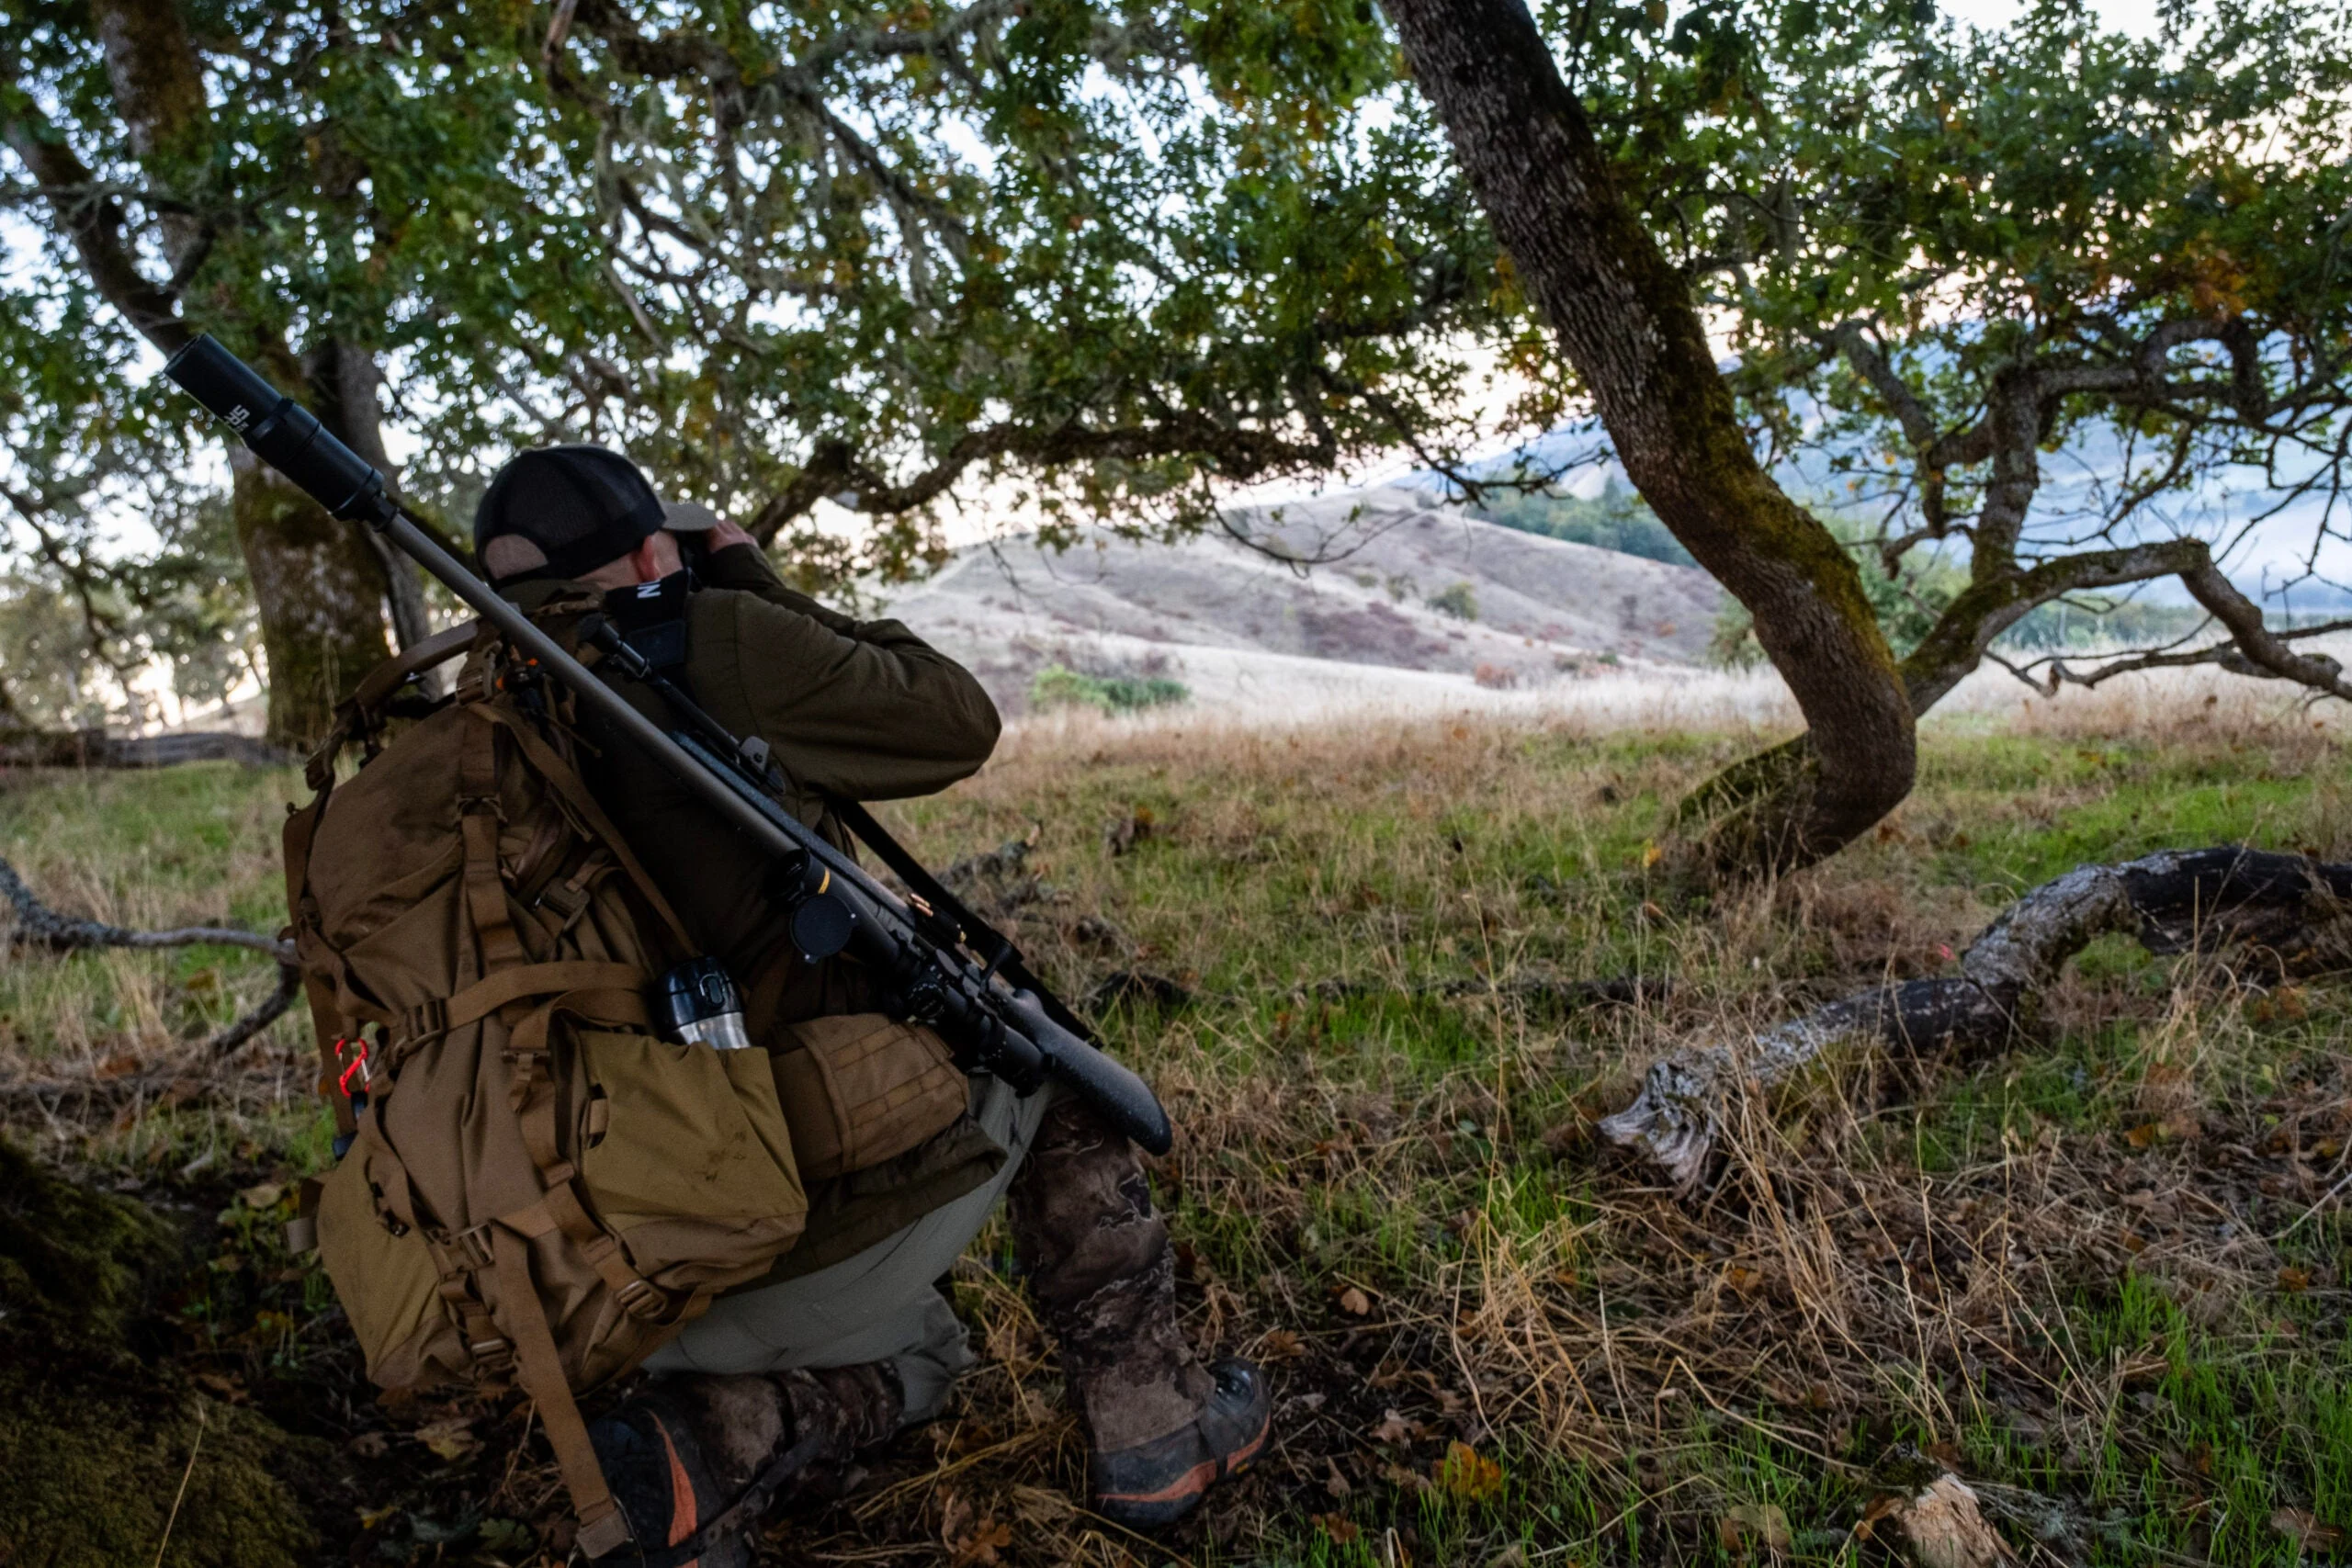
(262,1194)
(1354,1303)
(228,1385)
(1281,1345)
(1938,1527)
(1336,1530)
(954,1518)
(2292,1281)
(1750,1526)
(1406,1481)
(1124,834)
(452,1439)
(1467,1475)
(987,1538)
(2305,1530)
(1334,1482)
(1394,1428)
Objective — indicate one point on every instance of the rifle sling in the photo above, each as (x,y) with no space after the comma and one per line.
(983,937)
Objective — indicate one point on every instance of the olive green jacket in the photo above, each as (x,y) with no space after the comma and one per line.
(864,710)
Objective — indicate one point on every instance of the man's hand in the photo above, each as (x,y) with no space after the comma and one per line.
(725,536)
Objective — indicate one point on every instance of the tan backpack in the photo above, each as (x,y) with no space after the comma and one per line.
(539,1190)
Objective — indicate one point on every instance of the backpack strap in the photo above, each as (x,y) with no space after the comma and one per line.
(361,714)
(602,1527)
(418,1024)
(566,781)
(480,813)
(328,1026)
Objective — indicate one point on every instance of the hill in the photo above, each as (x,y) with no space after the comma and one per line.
(1414,599)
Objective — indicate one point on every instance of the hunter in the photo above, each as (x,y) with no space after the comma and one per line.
(850,1340)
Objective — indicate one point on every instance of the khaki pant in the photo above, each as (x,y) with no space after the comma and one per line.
(878,1305)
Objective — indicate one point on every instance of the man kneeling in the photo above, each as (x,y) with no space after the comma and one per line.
(848,1339)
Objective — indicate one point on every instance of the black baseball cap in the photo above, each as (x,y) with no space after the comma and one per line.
(578,506)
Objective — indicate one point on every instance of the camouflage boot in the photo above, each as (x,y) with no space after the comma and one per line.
(1161,1428)
(695,1461)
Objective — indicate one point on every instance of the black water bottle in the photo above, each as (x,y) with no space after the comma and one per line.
(698,1004)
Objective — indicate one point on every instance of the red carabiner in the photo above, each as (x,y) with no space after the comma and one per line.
(358,1064)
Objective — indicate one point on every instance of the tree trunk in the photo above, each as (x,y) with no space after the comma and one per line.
(319,585)
(344,378)
(320,594)
(1624,320)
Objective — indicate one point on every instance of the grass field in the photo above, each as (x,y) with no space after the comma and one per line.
(2102,1278)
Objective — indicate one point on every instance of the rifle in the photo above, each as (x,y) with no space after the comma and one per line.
(941,964)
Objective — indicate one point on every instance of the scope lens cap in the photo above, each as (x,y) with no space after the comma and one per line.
(821,927)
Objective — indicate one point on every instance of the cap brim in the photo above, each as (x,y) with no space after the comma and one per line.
(688,517)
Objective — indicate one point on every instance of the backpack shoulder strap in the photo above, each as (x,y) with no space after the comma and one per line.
(565,780)
(361,714)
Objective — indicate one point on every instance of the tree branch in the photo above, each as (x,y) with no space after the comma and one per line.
(39,923)
(93,224)
(2264,649)
(2291,909)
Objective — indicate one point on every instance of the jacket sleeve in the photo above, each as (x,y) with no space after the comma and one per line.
(747,570)
(862,710)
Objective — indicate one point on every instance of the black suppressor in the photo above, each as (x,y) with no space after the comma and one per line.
(281,432)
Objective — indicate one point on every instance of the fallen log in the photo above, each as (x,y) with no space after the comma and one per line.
(2288,914)
(97,748)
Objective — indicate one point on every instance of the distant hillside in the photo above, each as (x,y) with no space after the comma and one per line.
(1423,600)
(1616,519)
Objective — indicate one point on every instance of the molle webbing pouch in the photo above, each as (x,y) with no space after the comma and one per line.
(864,1089)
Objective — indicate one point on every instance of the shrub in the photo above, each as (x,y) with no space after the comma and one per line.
(1460,602)
(1495,677)
(1059,686)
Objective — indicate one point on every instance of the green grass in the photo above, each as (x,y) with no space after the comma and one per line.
(2080,1270)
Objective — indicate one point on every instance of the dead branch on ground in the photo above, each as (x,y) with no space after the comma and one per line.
(2289,912)
(35,921)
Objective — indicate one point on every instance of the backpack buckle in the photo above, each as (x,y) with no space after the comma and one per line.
(424,1020)
(475,1244)
(642,1302)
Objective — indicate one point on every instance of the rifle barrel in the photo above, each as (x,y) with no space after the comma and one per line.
(290,439)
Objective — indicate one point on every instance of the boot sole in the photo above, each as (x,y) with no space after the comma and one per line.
(1166,1505)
